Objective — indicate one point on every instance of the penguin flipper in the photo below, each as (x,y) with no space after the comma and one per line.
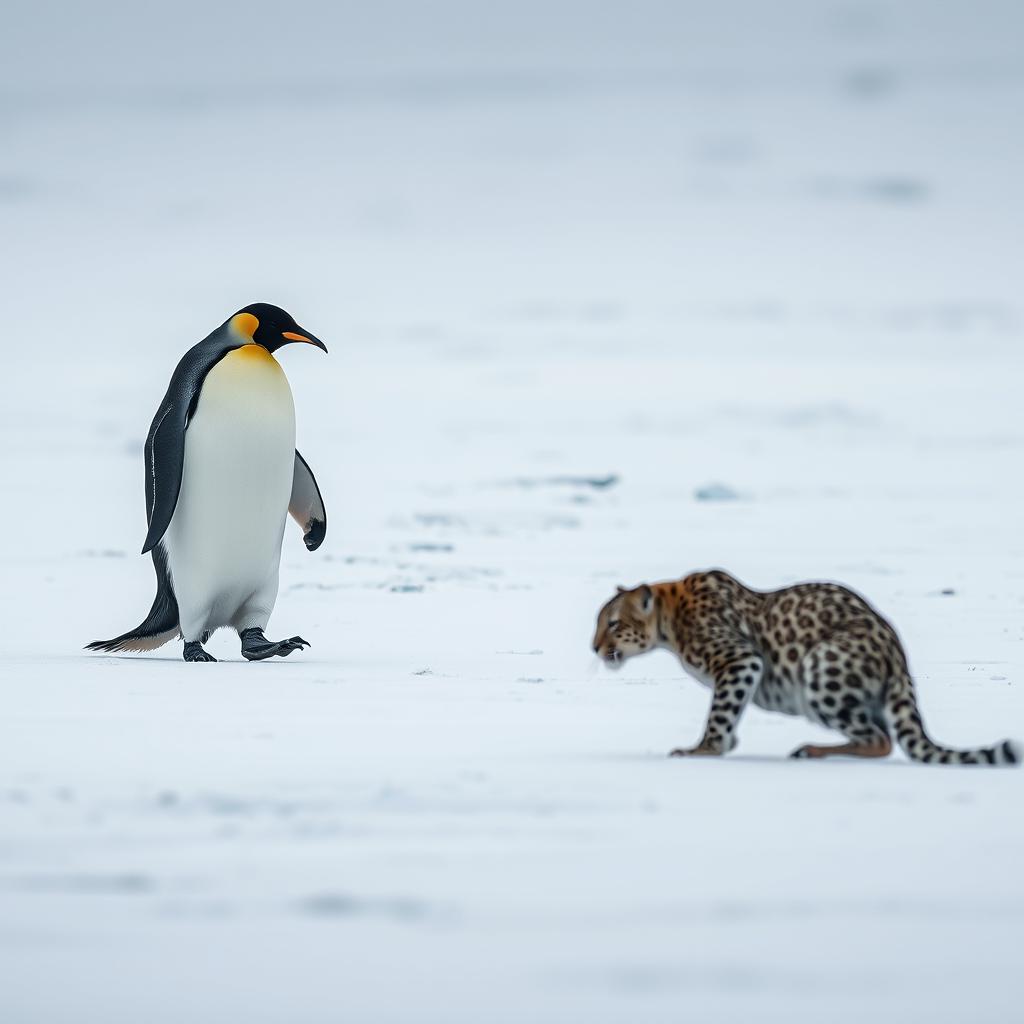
(165,444)
(165,459)
(306,506)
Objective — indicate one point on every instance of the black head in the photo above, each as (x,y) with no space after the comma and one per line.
(271,327)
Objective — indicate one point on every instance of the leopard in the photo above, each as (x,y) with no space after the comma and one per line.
(813,650)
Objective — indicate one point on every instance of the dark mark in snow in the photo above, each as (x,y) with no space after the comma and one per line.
(716,492)
(870,83)
(15,187)
(818,415)
(407,588)
(882,189)
(340,905)
(519,652)
(822,414)
(896,190)
(431,547)
(530,679)
(128,883)
(598,483)
(561,522)
(438,519)
(423,672)
(501,524)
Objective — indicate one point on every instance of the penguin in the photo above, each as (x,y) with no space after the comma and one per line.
(222,475)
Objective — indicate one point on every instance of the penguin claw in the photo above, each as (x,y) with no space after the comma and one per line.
(194,652)
(256,647)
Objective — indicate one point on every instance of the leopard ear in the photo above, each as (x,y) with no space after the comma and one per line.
(646,598)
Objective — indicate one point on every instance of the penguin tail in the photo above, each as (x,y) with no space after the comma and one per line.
(135,640)
(159,626)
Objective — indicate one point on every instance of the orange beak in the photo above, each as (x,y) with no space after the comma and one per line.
(292,336)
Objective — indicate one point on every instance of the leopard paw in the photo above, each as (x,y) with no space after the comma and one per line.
(804,753)
(699,751)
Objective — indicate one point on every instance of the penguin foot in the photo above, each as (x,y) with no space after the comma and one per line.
(194,652)
(256,647)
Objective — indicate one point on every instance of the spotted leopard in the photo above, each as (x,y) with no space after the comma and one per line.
(815,650)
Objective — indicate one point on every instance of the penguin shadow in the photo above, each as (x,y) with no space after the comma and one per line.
(178,660)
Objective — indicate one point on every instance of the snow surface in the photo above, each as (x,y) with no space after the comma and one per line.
(760,264)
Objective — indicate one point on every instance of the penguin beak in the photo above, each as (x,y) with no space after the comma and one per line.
(307,338)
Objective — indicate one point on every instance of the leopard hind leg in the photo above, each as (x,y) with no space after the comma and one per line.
(843,689)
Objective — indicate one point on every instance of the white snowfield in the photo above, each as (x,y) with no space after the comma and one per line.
(609,297)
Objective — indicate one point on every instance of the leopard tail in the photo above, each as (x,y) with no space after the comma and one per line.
(904,719)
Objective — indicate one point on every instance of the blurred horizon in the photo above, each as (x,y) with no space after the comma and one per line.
(226,47)
(377,164)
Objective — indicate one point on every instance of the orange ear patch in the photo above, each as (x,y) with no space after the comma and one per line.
(245,323)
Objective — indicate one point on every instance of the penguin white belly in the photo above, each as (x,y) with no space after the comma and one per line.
(224,539)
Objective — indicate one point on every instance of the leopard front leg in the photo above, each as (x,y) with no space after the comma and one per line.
(735,676)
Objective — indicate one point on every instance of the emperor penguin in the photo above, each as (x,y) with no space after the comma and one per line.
(222,475)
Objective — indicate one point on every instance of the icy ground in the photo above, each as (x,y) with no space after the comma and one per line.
(763,270)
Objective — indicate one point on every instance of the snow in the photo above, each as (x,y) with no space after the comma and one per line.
(610,296)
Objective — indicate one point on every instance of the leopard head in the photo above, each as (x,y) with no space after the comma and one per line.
(626,626)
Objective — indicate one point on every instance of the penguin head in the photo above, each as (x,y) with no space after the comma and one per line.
(271,327)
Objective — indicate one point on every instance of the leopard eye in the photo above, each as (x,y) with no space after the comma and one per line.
(614,624)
